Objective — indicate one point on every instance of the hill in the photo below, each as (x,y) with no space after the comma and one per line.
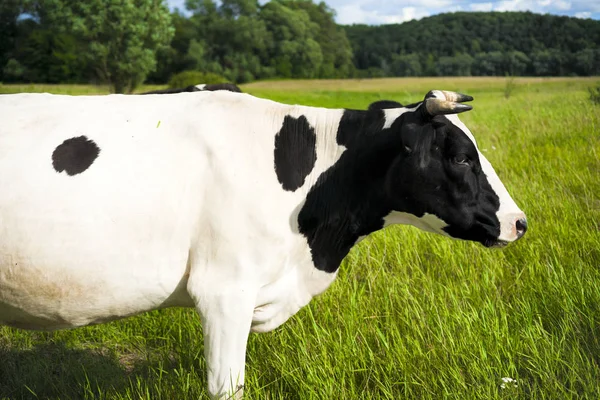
(479,43)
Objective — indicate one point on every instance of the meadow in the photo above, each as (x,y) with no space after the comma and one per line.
(412,315)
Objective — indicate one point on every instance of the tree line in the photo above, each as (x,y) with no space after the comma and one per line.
(128,42)
(479,44)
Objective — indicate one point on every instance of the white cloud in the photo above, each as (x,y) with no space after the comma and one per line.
(481,6)
(563,5)
(508,5)
(351,14)
(355,13)
(455,8)
(409,13)
(583,14)
(587,5)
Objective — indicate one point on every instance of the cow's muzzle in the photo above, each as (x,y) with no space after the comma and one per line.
(521,227)
(515,228)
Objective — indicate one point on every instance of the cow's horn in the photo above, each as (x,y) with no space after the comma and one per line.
(438,102)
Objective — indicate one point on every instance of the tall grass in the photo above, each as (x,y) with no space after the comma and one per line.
(412,315)
(595,94)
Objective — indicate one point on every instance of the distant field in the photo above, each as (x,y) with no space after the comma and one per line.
(412,315)
(64,89)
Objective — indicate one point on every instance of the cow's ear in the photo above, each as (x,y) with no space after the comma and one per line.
(384,104)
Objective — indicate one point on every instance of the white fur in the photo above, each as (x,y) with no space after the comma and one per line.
(391,114)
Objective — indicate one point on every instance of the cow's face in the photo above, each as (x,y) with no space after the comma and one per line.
(440,181)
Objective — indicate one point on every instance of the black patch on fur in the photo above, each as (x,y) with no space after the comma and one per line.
(348,200)
(407,168)
(75,155)
(357,124)
(295,152)
(223,86)
(384,104)
(192,88)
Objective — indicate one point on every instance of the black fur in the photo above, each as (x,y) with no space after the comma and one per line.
(223,86)
(190,88)
(384,104)
(410,167)
(295,152)
(75,155)
(209,87)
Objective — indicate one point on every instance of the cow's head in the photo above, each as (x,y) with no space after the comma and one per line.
(440,182)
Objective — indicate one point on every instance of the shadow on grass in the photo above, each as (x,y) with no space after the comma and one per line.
(55,371)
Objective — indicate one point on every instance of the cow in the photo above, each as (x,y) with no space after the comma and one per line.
(198,88)
(238,206)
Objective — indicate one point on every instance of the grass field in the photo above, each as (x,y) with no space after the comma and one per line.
(412,315)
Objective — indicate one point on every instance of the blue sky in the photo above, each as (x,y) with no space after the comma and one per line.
(396,11)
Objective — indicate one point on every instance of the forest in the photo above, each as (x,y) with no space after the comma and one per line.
(129,42)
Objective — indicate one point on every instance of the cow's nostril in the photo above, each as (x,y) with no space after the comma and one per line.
(521,227)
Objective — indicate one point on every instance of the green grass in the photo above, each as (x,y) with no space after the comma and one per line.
(412,315)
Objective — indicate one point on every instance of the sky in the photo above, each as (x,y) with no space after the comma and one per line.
(376,12)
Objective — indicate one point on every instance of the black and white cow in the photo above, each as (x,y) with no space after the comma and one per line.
(199,88)
(238,206)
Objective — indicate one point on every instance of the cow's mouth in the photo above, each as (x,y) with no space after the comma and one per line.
(495,243)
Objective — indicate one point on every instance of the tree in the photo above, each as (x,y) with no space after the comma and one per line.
(488,64)
(587,62)
(335,46)
(233,37)
(516,63)
(548,62)
(406,65)
(48,56)
(121,36)
(294,52)
(458,65)
(233,9)
(173,59)
(9,12)
(13,71)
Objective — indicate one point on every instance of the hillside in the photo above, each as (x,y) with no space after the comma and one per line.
(479,43)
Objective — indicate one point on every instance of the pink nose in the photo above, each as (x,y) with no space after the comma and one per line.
(521,226)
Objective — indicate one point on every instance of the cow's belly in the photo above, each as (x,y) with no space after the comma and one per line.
(69,272)
(45,297)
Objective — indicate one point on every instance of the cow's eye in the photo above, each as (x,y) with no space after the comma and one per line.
(460,159)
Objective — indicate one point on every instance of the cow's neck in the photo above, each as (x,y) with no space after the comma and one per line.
(348,200)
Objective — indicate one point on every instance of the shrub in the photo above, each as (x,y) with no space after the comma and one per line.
(187,78)
(13,71)
(595,94)
(509,86)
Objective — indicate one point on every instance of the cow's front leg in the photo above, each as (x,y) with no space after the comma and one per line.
(226,320)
